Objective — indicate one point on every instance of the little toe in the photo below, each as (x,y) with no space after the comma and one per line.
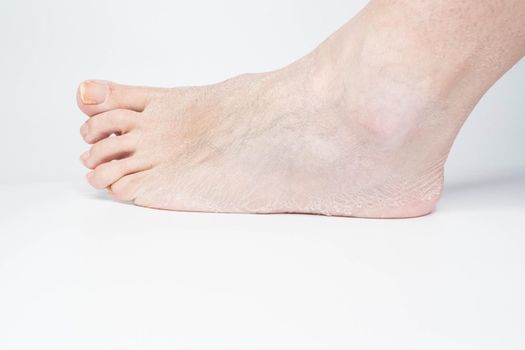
(97,96)
(126,188)
(111,148)
(117,121)
(108,173)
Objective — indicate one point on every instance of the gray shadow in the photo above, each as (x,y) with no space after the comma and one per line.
(103,196)
(493,192)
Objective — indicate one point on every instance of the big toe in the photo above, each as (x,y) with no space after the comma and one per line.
(97,96)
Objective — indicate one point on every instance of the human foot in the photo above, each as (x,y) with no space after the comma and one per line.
(351,132)
(262,143)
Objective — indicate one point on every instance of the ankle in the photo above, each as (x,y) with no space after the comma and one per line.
(387,86)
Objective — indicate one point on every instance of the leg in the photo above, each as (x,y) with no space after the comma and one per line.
(362,126)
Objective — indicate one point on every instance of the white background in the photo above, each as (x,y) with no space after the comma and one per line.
(80,272)
(48,47)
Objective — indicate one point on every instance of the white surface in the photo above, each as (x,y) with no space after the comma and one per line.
(78,271)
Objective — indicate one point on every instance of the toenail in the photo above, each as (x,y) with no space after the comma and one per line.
(84,156)
(93,92)
(84,130)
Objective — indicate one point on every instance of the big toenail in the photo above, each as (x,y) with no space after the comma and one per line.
(93,92)
(84,130)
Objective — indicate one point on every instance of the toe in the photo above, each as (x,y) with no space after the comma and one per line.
(97,96)
(112,148)
(126,188)
(108,173)
(117,121)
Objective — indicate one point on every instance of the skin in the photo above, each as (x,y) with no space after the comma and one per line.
(362,126)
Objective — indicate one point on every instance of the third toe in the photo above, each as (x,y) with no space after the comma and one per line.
(111,148)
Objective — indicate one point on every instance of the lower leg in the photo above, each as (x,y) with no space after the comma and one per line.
(444,52)
(361,126)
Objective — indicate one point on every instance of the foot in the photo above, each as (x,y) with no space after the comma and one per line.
(304,139)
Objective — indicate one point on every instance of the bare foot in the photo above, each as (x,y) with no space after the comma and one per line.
(347,130)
